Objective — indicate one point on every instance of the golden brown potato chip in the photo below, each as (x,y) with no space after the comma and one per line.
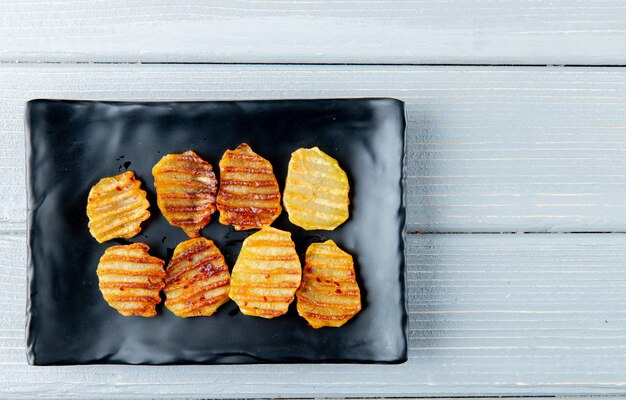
(197,280)
(116,207)
(249,196)
(186,188)
(329,295)
(316,191)
(266,274)
(131,279)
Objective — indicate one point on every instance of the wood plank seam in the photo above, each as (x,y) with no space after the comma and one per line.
(313,64)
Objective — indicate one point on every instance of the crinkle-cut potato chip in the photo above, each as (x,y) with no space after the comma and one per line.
(316,191)
(267,274)
(329,294)
(198,281)
(131,279)
(186,188)
(249,196)
(116,207)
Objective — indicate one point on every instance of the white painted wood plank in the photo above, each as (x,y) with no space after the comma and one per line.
(489,315)
(488,149)
(344,31)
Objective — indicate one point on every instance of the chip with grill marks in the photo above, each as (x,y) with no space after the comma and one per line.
(329,294)
(186,188)
(116,207)
(249,196)
(316,191)
(131,279)
(198,281)
(267,274)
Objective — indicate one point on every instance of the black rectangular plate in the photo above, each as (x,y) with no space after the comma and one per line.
(73,144)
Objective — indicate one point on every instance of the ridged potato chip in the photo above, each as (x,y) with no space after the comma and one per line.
(198,281)
(266,274)
(249,196)
(116,207)
(131,279)
(316,191)
(186,188)
(329,294)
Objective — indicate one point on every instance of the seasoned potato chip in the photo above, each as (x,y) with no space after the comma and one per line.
(197,280)
(116,207)
(186,188)
(266,274)
(316,191)
(329,295)
(131,279)
(249,196)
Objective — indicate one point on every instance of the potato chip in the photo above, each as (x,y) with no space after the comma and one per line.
(249,196)
(316,191)
(186,188)
(329,294)
(266,274)
(131,279)
(197,280)
(116,207)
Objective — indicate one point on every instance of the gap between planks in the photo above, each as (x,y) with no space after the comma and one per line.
(314,64)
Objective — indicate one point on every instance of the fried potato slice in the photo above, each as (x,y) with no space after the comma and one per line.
(329,294)
(186,188)
(131,279)
(316,191)
(197,280)
(116,207)
(249,196)
(266,274)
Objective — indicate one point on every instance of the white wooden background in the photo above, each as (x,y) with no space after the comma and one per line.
(517,175)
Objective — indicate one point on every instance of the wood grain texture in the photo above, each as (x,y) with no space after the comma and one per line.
(489,314)
(488,149)
(344,31)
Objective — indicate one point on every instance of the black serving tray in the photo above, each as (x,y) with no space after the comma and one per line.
(72,144)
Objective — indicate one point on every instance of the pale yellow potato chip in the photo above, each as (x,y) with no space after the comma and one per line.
(316,191)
